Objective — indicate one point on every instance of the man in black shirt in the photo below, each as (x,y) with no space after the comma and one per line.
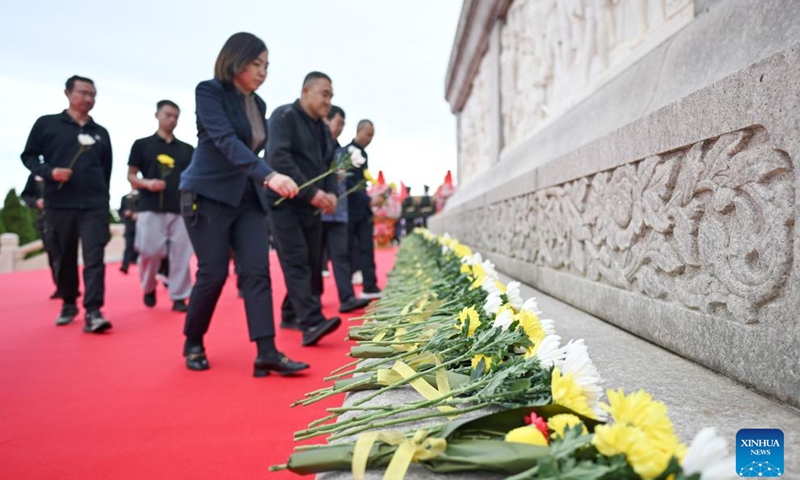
(72,154)
(360,221)
(299,146)
(33,196)
(160,229)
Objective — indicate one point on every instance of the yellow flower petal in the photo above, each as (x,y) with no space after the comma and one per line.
(528,434)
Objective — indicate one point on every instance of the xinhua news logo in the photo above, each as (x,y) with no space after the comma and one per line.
(759,452)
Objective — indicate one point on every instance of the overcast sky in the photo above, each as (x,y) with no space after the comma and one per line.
(387,60)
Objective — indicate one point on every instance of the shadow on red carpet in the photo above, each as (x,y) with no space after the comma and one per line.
(123,406)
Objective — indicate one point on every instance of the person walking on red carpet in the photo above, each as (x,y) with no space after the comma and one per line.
(334,229)
(160,230)
(72,153)
(300,146)
(224,205)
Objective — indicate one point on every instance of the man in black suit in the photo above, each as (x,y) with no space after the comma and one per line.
(299,146)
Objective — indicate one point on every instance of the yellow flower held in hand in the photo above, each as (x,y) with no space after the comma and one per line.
(558,424)
(368,176)
(469,317)
(528,434)
(166,160)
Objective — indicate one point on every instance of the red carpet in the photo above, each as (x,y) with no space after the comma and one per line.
(123,406)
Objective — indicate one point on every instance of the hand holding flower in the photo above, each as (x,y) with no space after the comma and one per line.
(62,175)
(344,161)
(282,185)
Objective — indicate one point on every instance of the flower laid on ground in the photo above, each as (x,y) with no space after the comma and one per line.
(85,142)
(449,329)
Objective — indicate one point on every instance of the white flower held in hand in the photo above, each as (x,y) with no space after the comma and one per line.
(356,159)
(85,140)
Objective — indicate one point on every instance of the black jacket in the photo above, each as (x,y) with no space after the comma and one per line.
(53,143)
(223,162)
(301,148)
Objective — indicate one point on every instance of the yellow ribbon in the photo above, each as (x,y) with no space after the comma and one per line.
(420,385)
(409,450)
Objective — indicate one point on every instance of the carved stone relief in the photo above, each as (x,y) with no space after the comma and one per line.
(709,226)
(555,52)
(473,128)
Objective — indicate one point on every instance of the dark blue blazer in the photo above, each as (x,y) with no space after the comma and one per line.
(223,161)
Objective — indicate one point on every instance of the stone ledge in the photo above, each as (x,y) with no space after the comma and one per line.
(695,396)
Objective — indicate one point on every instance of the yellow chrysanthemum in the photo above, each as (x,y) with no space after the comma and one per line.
(368,176)
(642,431)
(462,250)
(466,269)
(477,359)
(558,424)
(528,434)
(640,410)
(531,325)
(470,318)
(478,275)
(566,392)
(166,160)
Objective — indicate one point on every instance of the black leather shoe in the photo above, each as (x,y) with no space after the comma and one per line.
(313,334)
(150,299)
(67,315)
(278,363)
(56,295)
(353,304)
(196,358)
(180,306)
(96,323)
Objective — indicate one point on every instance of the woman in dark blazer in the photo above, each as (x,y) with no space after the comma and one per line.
(224,204)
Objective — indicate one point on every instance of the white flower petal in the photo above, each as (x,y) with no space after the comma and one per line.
(708,456)
(504,320)
(549,352)
(514,296)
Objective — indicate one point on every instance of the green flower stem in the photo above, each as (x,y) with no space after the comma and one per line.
(304,185)
(413,418)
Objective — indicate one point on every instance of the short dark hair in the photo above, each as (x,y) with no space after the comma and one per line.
(238,52)
(70,84)
(335,110)
(315,76)
(167,103)
(364,123)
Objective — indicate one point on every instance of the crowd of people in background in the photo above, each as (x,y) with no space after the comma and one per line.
(251,182)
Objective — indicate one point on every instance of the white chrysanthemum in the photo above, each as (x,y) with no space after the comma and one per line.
(531,305)
(489,285)
(549,351)
(708,456)
(488,267)
(585,374)
(514,296)
(504,319)
(548,326)
(493,303)
(473,259)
